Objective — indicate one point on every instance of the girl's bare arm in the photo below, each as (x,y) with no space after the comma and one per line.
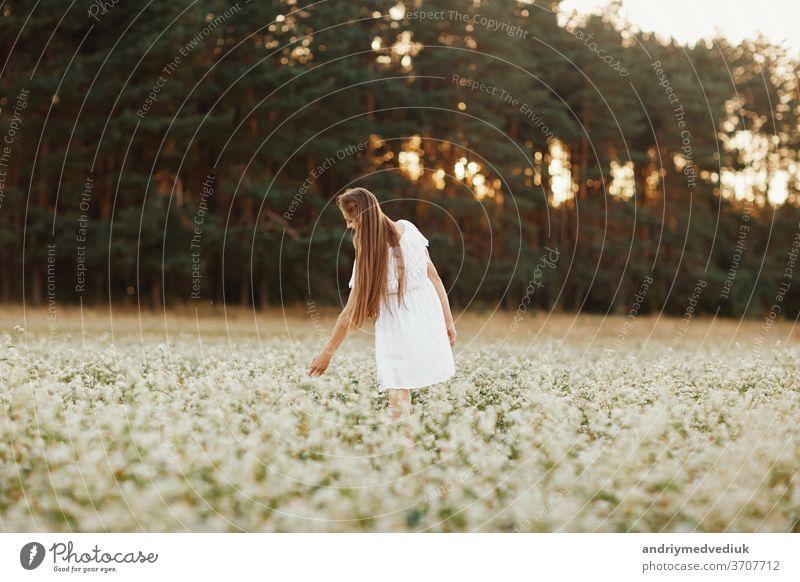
(320,363)
(433,275)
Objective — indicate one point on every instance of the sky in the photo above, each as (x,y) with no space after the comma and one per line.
(691,20)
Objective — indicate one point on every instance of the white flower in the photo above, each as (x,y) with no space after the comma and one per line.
(170,435)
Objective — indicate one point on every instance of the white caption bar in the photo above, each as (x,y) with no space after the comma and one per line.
(400,557)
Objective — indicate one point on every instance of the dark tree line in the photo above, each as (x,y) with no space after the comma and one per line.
(179,152)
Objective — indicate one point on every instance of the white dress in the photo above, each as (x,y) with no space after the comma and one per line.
(412,349)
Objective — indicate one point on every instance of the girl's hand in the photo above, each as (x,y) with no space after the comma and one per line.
(319,364)
(451,333)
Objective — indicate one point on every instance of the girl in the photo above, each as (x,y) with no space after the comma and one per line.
(395,284)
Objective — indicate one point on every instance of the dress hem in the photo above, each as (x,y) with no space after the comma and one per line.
(426,385)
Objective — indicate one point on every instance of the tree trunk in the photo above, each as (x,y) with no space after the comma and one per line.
(244,288)
(584,168)
(36,286)
(6,278)
(155,294)
(263,291)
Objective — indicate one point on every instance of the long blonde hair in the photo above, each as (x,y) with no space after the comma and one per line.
(374,238)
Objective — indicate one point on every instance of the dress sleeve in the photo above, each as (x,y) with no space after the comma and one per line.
(353,276)
(420,236)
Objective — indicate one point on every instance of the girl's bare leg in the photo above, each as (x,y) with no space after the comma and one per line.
(406,402)
(392,394)
(400,402)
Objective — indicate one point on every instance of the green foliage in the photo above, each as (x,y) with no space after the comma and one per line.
(149,104)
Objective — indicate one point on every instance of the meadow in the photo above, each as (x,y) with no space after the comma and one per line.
(121,421)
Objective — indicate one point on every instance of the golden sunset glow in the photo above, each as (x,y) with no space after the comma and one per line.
(560,176)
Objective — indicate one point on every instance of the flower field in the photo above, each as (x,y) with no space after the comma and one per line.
(212,424)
